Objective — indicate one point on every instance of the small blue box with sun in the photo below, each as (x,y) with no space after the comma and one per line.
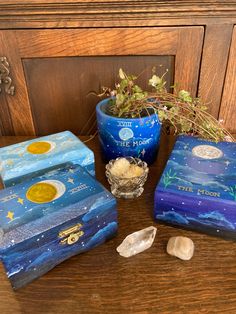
(20,160)
(50,218)
(197,189)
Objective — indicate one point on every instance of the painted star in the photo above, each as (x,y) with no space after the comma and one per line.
(10,162)
(71,170)
(20,154)
(70,180)
(10,215)
(227,163)
(143,152)
(152,123)
(186,146)
(20,200)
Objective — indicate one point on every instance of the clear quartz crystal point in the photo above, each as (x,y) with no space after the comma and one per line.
(137,242)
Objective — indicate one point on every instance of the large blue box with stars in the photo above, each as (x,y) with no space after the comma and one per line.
(19,160)
(51,217)
(198,187)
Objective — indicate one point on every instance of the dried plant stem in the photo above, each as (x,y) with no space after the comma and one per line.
(91,137)
(199,116)
(179,110)
(193,122)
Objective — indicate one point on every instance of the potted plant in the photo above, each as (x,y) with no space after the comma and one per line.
(129,121)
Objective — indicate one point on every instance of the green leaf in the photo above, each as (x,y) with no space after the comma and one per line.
(162,115)
(137,89)
(119,99)
(121,74)
(185,96)
(155,80)
(123,85)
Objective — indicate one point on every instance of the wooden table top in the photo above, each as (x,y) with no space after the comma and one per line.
(101,281)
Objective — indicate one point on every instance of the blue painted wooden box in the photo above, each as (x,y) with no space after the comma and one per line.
(198,187)
(19,160)
(49,218)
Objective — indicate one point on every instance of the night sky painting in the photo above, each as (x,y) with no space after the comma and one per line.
(197,189)
(128,137)
(19,160)
(51,217)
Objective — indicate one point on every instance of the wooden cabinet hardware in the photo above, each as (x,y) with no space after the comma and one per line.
(5,78)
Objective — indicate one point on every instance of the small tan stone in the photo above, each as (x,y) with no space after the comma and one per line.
(181,247)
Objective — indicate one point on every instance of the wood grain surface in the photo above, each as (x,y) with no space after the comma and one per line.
(216,47)
(216,17)
(65,88)
(100,281)
(184,44)
(228,106)
(84,13)
(17,105)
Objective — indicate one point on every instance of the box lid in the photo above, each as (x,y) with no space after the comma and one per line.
(44,202)
(27,157)
(199,179)
(200,167)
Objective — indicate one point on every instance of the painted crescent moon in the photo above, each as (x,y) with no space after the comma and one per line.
(45,191)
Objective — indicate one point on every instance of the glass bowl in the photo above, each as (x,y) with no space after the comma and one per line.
(131,186)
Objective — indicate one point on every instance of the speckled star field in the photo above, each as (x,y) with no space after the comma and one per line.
(34,213)
(198,187)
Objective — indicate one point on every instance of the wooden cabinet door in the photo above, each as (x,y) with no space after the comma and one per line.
(228,103)
(54,70)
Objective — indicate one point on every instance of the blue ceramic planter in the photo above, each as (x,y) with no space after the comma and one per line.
(138,137)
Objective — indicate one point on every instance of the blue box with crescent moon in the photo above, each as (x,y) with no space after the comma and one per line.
(19,160)
(197,189)
(50,218)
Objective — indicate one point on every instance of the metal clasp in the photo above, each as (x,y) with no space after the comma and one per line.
(71,235)
(5,76)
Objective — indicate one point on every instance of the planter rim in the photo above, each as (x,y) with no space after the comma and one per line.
(104,101)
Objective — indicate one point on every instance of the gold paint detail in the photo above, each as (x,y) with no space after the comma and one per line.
(39,148)
(41,193)
(71,235)
(5,77)
(21,201)
(10,162)
(10,215)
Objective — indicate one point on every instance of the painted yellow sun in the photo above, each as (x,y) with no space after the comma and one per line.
(40,147)
(41,193)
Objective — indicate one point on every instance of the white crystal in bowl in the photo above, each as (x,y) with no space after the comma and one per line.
(127,176)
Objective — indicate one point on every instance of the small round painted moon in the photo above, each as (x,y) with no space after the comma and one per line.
(207,152)
(45,191)
(126,134)
(42,147)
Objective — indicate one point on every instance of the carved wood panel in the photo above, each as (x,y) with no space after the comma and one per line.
(62,91)
(184,43)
